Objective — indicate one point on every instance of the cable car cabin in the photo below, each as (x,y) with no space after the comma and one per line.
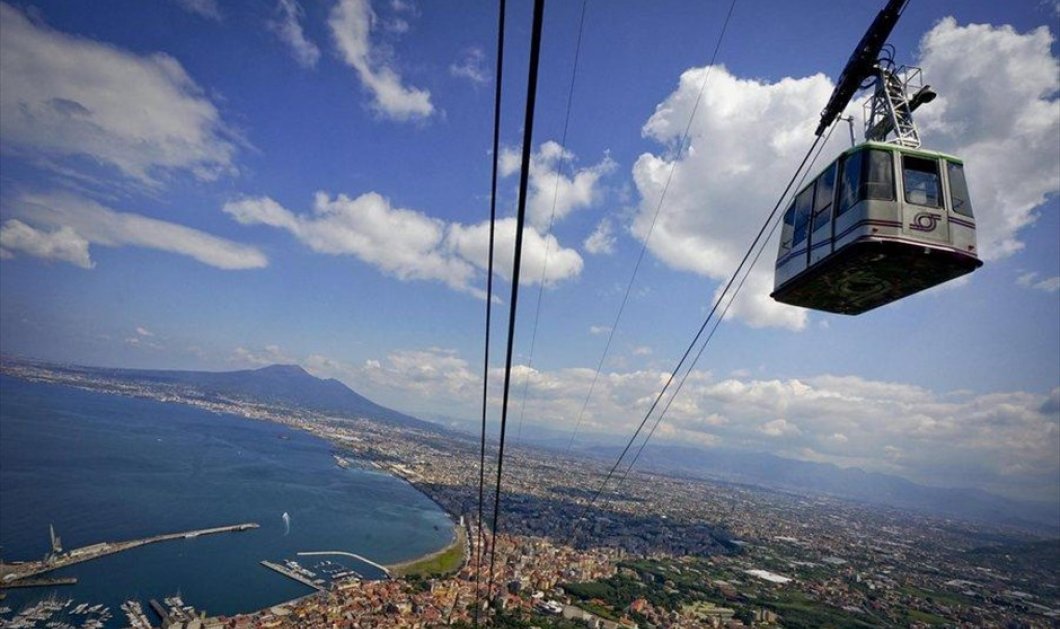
(859,237)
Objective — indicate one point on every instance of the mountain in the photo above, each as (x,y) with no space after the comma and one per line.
(804,477)
(284,385)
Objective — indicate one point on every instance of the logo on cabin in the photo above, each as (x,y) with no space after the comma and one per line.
(925,222)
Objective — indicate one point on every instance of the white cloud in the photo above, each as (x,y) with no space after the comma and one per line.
(79,222)
(642,350)
(351,23)
(549,190)
(409,244)
(602,240)
(472,244)
(1046,285)
(1006,442)
(745,140)
(142,331)
(779,428)
(203,8)
(997,109)
(59,98)
(469,66)
(269,355)
(62,244)
(597,330)
(404,243)
(289,29)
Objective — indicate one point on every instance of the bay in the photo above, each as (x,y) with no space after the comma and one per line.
(103,467)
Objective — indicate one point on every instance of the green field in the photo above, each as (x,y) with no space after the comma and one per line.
(441,563)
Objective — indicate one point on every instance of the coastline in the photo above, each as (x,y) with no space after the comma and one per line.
(438,563)
(399,569)
(423,564)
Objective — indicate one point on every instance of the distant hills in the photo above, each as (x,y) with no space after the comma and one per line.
(806,477)
(293,387)
(283,385)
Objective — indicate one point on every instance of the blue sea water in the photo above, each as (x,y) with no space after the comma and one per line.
(102,467)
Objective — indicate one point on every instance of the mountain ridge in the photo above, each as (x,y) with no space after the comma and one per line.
(285,384)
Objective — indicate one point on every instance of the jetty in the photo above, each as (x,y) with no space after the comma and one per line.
(38,583)
(292,575)
(12,573)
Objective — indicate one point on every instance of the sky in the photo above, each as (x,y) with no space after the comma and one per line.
(198,184)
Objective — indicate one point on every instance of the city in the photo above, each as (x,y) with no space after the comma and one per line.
(698,553)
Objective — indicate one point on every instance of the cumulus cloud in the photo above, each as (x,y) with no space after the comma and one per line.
(549,188)
(469,66)
(63,244)
(745,140)
(351,24)
(57,100)
(288,27)
(408,244)
(1046,285)
(602,240)
(472,243)
(77,222)
(997,109)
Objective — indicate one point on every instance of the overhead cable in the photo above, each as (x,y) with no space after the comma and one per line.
(520,220)
(489,303)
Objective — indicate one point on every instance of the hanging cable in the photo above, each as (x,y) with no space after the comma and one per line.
(717,321)
(520,219)
(551,221)
(699,333)
(489,303)
(651,228)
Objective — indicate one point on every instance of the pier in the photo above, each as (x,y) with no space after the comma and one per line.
(292,574)
(385,570)
(12,573)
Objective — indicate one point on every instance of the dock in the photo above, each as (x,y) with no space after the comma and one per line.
(12,573)
(291,574)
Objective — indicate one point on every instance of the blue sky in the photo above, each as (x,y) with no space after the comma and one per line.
(194,184)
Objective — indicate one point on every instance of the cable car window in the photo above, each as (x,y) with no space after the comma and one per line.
(878,177)
(822,205)
(959,189)
(789,224)
(921,179)
(803,206)
(848,187)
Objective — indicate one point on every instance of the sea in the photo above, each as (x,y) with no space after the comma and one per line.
(101,467)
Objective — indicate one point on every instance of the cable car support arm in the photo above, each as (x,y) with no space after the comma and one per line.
(862,63)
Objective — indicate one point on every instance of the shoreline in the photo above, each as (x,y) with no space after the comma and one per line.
(460,537)
(421,565)
(459,532)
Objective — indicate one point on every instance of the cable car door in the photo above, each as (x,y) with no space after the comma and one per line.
(923,209)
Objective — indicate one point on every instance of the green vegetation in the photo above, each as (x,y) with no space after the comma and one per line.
(441,563)
(677,584)
(924,617)
(797,610)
